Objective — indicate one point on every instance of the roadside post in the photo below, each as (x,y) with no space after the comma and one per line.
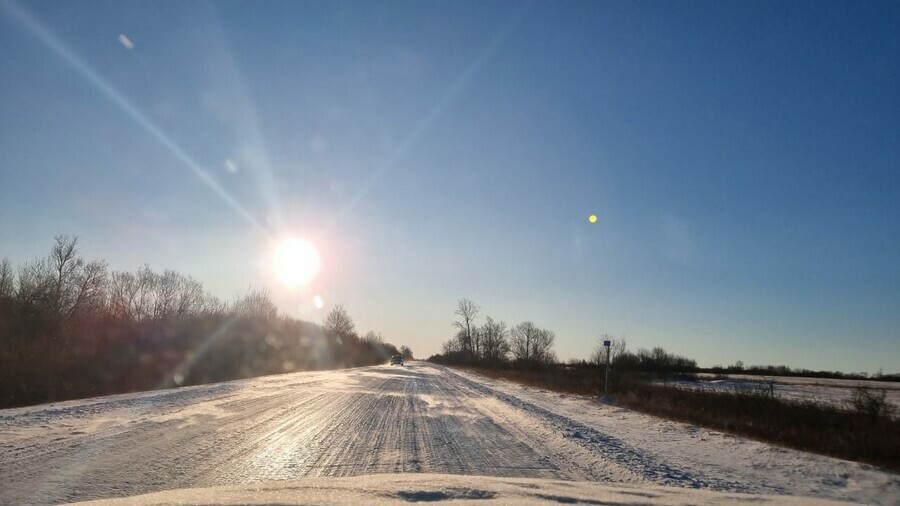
(606,343)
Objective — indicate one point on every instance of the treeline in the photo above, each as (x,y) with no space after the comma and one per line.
(71,327)
(864,430)
(526,345)
(493,343)
(783,370)
(655,361)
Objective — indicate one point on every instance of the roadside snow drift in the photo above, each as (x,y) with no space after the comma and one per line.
(421,419)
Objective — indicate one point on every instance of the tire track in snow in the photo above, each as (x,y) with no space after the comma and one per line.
(420,418)
(609,447)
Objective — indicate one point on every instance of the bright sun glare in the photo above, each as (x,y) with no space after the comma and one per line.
(296,262)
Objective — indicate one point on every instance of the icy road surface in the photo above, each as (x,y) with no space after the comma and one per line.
(420,418)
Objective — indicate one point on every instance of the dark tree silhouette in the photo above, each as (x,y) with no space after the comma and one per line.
(69,329)
(467,330)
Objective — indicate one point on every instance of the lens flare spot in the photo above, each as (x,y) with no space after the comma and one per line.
(296,262)
(592,218)
(319,303)
(126,42)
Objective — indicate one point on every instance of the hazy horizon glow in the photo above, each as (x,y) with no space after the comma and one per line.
(717,179)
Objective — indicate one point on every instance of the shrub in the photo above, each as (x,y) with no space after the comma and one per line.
(865,434)
(871,403)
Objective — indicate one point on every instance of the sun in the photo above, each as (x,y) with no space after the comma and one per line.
(296,262)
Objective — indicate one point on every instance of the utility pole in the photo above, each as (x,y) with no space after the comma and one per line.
(606,343)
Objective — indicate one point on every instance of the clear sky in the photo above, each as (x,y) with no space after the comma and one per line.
(742,158)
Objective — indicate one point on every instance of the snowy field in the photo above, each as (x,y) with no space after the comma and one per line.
(416,419)
(833,392)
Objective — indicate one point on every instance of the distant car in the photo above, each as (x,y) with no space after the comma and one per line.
(396,359)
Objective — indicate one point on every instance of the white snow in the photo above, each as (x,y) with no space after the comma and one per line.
(730,462)
(389,489)
(421,419)
(833,392)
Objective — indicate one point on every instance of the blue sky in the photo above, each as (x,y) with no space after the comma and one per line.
(742,159)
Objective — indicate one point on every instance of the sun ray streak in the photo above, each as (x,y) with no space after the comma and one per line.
(455,89)
(89,74)
(248,128)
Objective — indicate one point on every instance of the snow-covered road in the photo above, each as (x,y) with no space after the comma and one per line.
(420,418)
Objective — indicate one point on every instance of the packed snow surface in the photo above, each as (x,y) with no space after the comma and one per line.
(420,418)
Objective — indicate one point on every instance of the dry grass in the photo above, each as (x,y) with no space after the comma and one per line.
(860,434)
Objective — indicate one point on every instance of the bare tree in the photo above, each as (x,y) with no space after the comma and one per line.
(659,360)
(373,337)
(165,290)
(173,294)
(406,351)
(338,321)
(617,347)
(529,343)
(521,341)
(467,311)
(145,294)
(122,294)
(65,263)
(63,284)
(190,297)
(494,342)
(543,347)
(35,284)
(450,346)
(7,279)
(256,304)
(458,342)
(89,291)
(143,302)
(476,338)
(210,305)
